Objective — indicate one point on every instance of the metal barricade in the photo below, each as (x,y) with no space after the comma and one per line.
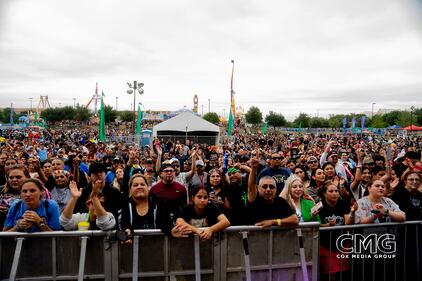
(273,254)
(386,251)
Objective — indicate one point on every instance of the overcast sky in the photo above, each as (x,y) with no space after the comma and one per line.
(291,56)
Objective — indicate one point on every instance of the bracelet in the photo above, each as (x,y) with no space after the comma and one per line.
(279,222)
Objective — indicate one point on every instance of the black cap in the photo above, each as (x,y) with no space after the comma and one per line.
(97,168)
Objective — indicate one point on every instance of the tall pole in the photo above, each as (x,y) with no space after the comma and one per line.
(135,86)
(117,99)
(209,105)
(202,110)
(30,107)
(74,102)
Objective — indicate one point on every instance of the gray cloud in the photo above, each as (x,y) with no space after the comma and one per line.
(294,56)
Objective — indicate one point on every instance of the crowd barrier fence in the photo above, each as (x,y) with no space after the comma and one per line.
(238,253)
(389,251)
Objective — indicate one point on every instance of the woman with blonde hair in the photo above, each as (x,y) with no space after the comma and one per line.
(295,194)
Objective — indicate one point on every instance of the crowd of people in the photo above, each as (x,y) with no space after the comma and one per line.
(66,179)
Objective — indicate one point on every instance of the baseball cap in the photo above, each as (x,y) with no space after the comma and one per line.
(199,163)
(96,168)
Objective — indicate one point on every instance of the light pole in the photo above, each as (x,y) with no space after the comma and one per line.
(132,89)
(30,107)
(74,102)
(372,115)
(209,105)
(117,99)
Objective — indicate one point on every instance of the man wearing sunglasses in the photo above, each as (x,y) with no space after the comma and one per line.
(173,193)
(278,173)
(265,208)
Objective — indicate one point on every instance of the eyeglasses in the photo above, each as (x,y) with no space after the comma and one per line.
(414,179)
(275,158)
(266,186)
(168,171)
(13,177)
(199,166)
(175,166)
(312,162)
(60,177)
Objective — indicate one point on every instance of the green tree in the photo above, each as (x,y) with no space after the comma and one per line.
(378,122)
(6,116)
(392,117)
(212,117)
(82,113)
(404,118)
(275,119)
(302,121)
(254,116)
(417,113)
(126,115)
(68,112)
(110,114)
(318,122)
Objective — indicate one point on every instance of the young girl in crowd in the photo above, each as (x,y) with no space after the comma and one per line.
(202,218)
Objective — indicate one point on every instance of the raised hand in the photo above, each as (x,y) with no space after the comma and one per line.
(76,193)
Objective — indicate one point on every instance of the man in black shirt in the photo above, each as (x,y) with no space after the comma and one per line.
(264,207)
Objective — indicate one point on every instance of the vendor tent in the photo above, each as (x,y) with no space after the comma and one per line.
(393,127)
(412,128)
(187,126)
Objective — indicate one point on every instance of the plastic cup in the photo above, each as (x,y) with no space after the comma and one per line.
(83,225)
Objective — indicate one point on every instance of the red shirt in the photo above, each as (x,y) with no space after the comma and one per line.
(174,195)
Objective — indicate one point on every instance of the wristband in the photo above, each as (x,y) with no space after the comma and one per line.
(279,222)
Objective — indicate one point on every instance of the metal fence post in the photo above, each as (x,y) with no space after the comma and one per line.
(16,258)
(135,258)
(197,258)
(82,258)
(246,253)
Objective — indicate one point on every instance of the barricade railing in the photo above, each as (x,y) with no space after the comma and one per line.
(386,251)
(237,253)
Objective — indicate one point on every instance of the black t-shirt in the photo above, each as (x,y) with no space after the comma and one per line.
(237,195)
(328,238)
(260,210)
(338,211)
(206,219)
(409,203)
(157,216)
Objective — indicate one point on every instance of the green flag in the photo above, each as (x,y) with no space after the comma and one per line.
(102,120)
(264,129)
(230,124)
(139,120)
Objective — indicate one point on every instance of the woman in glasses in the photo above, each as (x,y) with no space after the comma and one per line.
(408,197)
(96,216)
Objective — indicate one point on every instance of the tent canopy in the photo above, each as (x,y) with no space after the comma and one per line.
(412,128)
(186,122)
(394,127)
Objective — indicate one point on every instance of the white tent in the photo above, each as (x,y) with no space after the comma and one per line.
(187,125)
